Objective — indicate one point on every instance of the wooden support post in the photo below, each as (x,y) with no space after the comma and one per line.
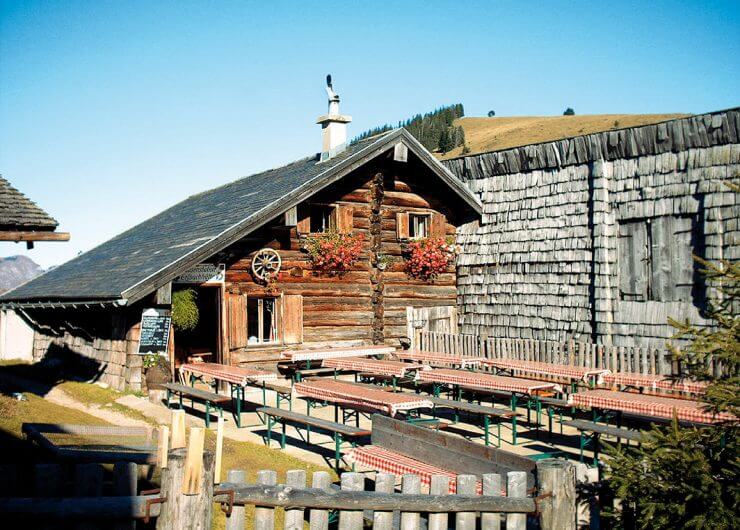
(516,487)
(411,484)
(88,483)
(219,449)
(492,488)
(48,481)
(186,511)
(295,478)
(178,429)
(265,517)
(440,485)
(557,478)
(237,519)
(125,476)
(194,462)
(351,520)
(319,519)
(466,485)
(163,442)
(384,483)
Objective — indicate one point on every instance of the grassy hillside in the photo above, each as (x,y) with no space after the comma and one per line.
(495,134)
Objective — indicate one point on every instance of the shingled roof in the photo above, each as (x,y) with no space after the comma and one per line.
(18,212)
(140,260)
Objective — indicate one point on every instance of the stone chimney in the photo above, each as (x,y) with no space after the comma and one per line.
(333,126)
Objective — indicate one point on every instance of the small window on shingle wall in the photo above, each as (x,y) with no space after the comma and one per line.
(655,259)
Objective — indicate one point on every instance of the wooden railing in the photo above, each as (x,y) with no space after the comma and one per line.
(633,359)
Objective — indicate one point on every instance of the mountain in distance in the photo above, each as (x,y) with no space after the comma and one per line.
(15,270)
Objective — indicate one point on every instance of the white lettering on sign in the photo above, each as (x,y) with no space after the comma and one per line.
(204,273)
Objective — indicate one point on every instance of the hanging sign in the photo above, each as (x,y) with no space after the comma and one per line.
(204,273)
(155,331)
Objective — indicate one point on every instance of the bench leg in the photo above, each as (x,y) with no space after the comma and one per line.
(268,438)
(308,427)
(282,437)
(208,414)
(486,422)
(169,395)
(337,450)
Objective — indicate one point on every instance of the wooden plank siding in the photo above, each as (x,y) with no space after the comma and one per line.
(342,309)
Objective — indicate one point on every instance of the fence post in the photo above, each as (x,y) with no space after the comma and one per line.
(411,484)
(186,511)
(88,483)
(237,519)
(516,487)
(557,478)
(264,518)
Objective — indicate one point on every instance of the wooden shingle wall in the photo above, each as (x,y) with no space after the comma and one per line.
(544,261)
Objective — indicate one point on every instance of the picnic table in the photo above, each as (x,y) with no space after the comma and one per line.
(238,377)
(393,369)
(478,381)
(647,405)
(320,354)
(357,398)
(437,359)
(571,373)
(653,382)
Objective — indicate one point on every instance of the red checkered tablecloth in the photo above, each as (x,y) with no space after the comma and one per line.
(358,396)
(437,359)
(576,373)
(477,380)
(372,366)
(237,375)
(657,406)
(334,353)
(655,382)
(385,461)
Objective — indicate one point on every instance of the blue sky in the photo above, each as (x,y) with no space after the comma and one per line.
(112,111)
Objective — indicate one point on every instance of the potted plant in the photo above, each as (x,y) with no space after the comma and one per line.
(156,371)
(427,258)
(333,252)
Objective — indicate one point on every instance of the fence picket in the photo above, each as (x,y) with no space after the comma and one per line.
(492,487)
(124,485)
(319,519)
(295,478)
(350,520)
(410,484)
(466,485)
(516,487)
(237,519)
(384,483)
(264,518)
(440,485)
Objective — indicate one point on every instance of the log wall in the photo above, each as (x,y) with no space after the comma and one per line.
(543,263)
(362,305)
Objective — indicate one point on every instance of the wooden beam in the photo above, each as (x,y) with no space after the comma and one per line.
(34,236)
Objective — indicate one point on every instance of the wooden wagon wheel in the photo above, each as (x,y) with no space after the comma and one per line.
(266,263)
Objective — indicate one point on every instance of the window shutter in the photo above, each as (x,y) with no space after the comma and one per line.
(344,218)
(633,261)
(402,225)
(237,308)
(439,225)
(293,318)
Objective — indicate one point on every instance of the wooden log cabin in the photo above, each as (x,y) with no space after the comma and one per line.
(387,189)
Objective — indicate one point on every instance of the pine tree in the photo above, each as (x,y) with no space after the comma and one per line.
(687,477)
(569,112)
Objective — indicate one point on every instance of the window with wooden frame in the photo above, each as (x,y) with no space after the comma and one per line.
(262,320)
(320,218)
(420,224)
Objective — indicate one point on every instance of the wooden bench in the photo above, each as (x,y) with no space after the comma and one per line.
(283,391)
(484,411)
(209,398)
(299,375)
(338,430)
(597,430)
(401,447)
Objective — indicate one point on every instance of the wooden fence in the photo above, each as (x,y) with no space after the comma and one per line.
(615,358)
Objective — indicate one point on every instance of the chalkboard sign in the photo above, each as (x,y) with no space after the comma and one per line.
(155,331)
